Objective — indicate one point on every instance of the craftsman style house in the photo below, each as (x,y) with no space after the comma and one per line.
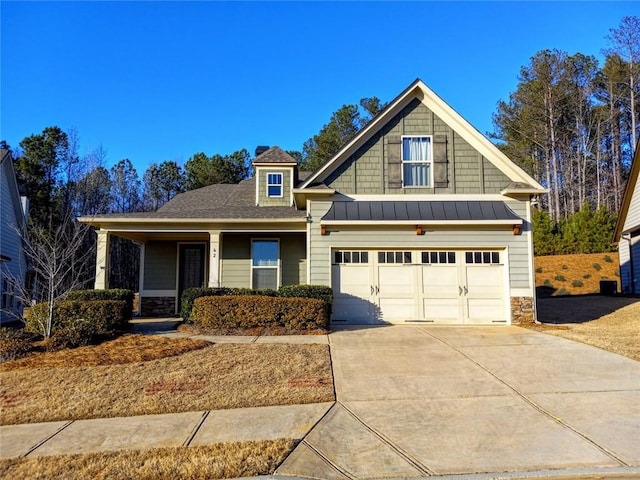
(419,218)
(627,232)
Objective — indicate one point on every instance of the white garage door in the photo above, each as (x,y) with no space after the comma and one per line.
(436,286)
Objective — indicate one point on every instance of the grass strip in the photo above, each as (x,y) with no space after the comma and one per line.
(216,461)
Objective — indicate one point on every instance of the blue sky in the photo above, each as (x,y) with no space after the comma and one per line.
(155,81)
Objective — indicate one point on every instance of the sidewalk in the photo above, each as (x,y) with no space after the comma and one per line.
(155,431)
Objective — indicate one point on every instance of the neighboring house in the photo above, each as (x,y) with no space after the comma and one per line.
(627,232)
(13,262)
(419,218)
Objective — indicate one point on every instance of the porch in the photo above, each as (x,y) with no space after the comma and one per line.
(171,262)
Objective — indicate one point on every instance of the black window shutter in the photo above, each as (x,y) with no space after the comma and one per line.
(394,161)
(440,170)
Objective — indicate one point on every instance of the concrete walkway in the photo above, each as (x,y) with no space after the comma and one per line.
(414,402)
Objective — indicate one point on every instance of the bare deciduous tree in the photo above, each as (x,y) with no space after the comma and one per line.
(56,257)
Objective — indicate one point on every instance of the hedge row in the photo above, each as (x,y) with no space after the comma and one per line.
(237,311)
(109,294)
(319,292)
(76,323)
(190,294)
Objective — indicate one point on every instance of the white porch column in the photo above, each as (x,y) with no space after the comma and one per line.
(214,259)
(102,260)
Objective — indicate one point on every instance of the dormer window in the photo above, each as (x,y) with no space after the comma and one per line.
(416,161)
(274,185)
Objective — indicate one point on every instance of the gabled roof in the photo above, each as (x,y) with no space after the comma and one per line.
(632,185)
(452,118)
(274,155)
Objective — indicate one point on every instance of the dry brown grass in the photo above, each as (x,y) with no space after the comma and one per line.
(577,274)
(125,349)
(216,377)
(227,460)
(610,323)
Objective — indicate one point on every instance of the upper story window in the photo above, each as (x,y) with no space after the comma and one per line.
(274,184)
(416,161)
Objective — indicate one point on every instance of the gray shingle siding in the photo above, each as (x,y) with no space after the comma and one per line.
(366,171)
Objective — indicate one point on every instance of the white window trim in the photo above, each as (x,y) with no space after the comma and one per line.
(429,162)
(277,267)
(281,184)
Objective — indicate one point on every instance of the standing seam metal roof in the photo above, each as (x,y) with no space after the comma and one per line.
(419,211)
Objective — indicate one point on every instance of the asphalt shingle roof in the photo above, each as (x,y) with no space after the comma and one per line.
(274,155)
(220,201)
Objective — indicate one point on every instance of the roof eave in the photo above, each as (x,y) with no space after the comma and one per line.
(274,164)
(516,192)
(301,195)
(151,220)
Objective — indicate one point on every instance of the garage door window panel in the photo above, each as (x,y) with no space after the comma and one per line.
(403,257)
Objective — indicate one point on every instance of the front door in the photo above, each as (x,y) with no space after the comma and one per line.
(191,272)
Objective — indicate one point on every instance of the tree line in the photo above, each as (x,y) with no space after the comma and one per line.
(573,123)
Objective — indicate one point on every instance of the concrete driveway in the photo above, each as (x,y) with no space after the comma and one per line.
(419,401)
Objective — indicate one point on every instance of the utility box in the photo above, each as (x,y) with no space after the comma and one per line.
(608,287)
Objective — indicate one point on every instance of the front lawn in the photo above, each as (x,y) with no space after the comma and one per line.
(136,375)
(610,323)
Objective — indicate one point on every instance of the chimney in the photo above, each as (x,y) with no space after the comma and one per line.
(260,149)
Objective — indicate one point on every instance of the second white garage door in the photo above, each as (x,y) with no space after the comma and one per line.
(436,286)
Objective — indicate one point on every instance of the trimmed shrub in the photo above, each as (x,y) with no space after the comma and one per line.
(608,259)
(547,283)
(14,343)
(577,284)
(539,270)
(564,267)
(560,278)
(597,267)
(190,294)
(92,319)
(321,292)
(236,311)
(562,292)
(110,294)
(586,276)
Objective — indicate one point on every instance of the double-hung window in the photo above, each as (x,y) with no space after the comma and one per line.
(274,184)
(416,161)
(265,263)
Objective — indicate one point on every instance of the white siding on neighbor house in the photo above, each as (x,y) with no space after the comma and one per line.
(460,237)
(632,222)
(10,243)
(626,283)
